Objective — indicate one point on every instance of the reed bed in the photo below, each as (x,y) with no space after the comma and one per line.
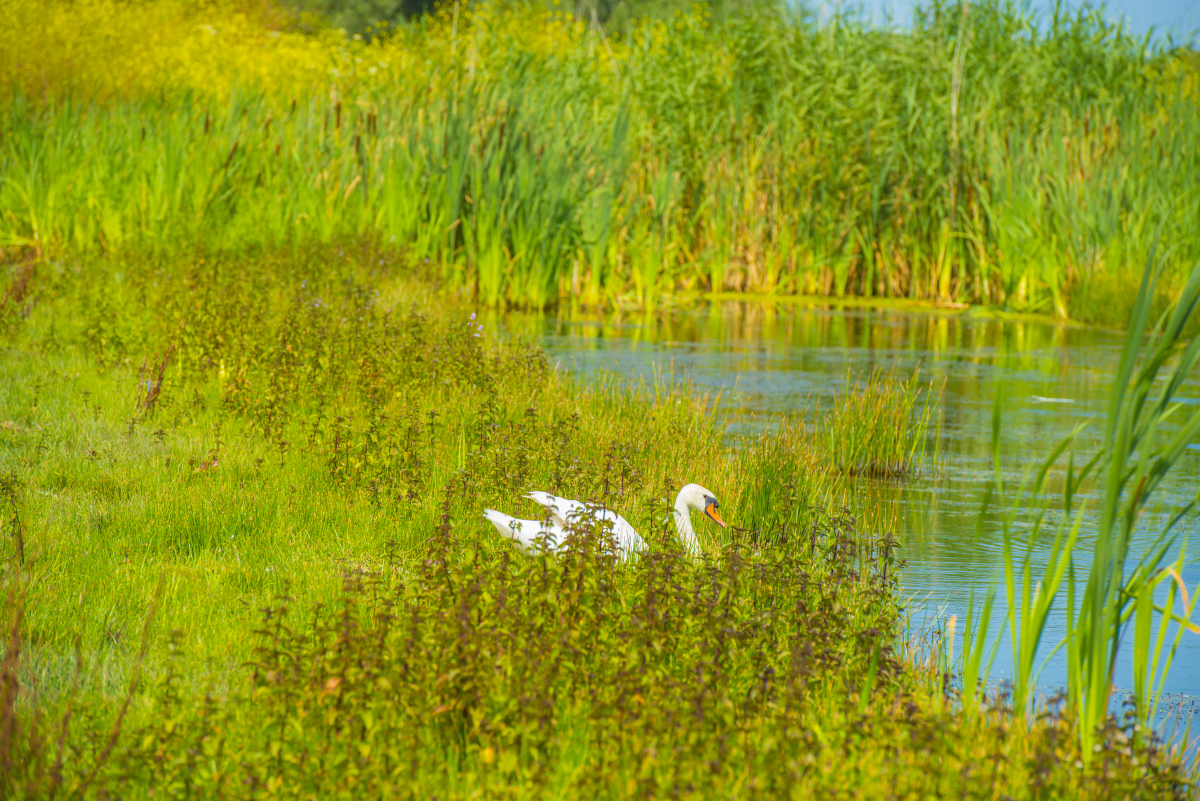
(879,425)
(977,157)
(244,558)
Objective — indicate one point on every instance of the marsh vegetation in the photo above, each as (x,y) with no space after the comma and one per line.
(250,412)
(981,156)
(245,558)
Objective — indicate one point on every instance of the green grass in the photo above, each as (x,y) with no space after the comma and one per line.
(871,430)
(247,489)
(974,158)
(249,413)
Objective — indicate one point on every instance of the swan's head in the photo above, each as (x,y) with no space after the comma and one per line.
(694,496)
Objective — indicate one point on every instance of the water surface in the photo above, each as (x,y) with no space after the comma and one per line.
(768,360)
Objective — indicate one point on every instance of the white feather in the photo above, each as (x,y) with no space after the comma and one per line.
(566,512)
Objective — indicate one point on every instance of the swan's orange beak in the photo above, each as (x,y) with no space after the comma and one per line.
(711,511)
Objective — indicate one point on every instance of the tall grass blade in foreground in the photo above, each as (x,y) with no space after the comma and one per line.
(1030,599)
(976,657)
(1134,465)
(1138,449)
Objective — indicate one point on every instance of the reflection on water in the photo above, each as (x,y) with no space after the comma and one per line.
(767,360)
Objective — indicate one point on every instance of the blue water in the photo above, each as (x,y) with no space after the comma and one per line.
(768,360)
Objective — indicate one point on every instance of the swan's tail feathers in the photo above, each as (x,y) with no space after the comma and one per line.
(553,504)
(543,498)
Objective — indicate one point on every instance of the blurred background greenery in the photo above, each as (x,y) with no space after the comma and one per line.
(363,16)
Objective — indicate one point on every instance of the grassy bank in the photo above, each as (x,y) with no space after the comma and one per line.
(245,559)
(974,158)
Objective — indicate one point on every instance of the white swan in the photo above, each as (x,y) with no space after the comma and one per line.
(551,533)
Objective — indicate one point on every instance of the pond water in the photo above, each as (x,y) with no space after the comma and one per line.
(768,360)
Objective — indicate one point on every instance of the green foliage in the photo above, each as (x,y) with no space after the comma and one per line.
(478,668)
(974,158)
(878,426)
(254,566)
(1139,448)
(362,17)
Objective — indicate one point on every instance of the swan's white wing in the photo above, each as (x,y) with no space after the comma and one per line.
(562,510)
(557,508)
(530,536)
(629,542)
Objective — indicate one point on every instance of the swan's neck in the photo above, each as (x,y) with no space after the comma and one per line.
(683,523)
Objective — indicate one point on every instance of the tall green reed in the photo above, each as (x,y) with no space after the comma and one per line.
(976,157)
(1031,597)
(1143,439)
(1139,449)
